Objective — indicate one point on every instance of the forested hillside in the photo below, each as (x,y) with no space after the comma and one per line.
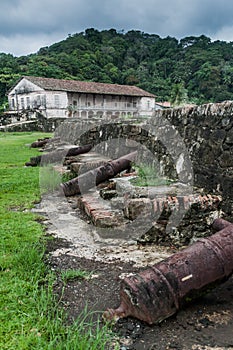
(193,69)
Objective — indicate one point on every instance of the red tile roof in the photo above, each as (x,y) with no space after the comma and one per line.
(87,87)
(165,104)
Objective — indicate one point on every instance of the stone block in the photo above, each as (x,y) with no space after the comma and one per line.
(136,207)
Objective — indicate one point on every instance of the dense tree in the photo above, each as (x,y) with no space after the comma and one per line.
(192,69)
(179,95)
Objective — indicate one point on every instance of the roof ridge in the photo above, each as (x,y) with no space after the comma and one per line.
(82,81)
(73,85)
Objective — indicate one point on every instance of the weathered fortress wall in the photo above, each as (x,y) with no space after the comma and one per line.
(207,132)
(28,122)
(190,143)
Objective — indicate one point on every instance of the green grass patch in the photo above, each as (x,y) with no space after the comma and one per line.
(51,178)
(69,275)
(31,317)
(148,176)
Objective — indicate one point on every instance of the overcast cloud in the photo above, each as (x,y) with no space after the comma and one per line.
(28,25)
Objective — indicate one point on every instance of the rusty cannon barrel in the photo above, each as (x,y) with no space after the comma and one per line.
(75,151)
(220,224)
(40,142)
(94,177)
(57,156)
(158,292)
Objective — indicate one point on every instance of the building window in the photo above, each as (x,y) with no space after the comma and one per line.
(13,103)
(38,101)
(28,102)
(56,101)
(75,104)
(148,104)
(22,103)
(43,100)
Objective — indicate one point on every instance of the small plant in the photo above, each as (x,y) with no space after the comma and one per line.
(88,333)
(68,176)
(50,179)
(148,175)
(69,275)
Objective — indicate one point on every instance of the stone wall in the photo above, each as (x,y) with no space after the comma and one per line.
(191,144)
(15,118)
(207,132)
(28,121)
(116,138)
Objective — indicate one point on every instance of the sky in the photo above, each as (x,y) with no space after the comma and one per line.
(28,25)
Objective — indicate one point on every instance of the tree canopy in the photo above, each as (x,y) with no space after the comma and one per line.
(191,70)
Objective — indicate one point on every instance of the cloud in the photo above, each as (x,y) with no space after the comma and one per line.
(225,34)
(21,44)
(26,25)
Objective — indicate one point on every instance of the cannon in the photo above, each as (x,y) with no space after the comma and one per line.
(220,224)
(57,156)
(161,290)
(40,142)
(94,177)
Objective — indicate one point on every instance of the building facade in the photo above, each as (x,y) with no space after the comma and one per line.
(72,98)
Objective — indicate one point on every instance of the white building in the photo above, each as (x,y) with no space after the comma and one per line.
(72,98)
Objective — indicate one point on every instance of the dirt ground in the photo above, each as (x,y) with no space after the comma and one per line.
(206,323)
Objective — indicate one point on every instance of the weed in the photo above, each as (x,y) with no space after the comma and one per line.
(68,176)
(69,275)
(148,175)
(50,179)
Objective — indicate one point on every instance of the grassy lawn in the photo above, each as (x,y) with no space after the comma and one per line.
(30,317)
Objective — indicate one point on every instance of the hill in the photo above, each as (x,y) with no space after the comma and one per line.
(193,69)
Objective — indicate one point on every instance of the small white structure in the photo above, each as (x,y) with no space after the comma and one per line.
(73,98)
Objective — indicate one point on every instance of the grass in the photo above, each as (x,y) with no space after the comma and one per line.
(30,315)
(50,178)
(69,275)
(148,176)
